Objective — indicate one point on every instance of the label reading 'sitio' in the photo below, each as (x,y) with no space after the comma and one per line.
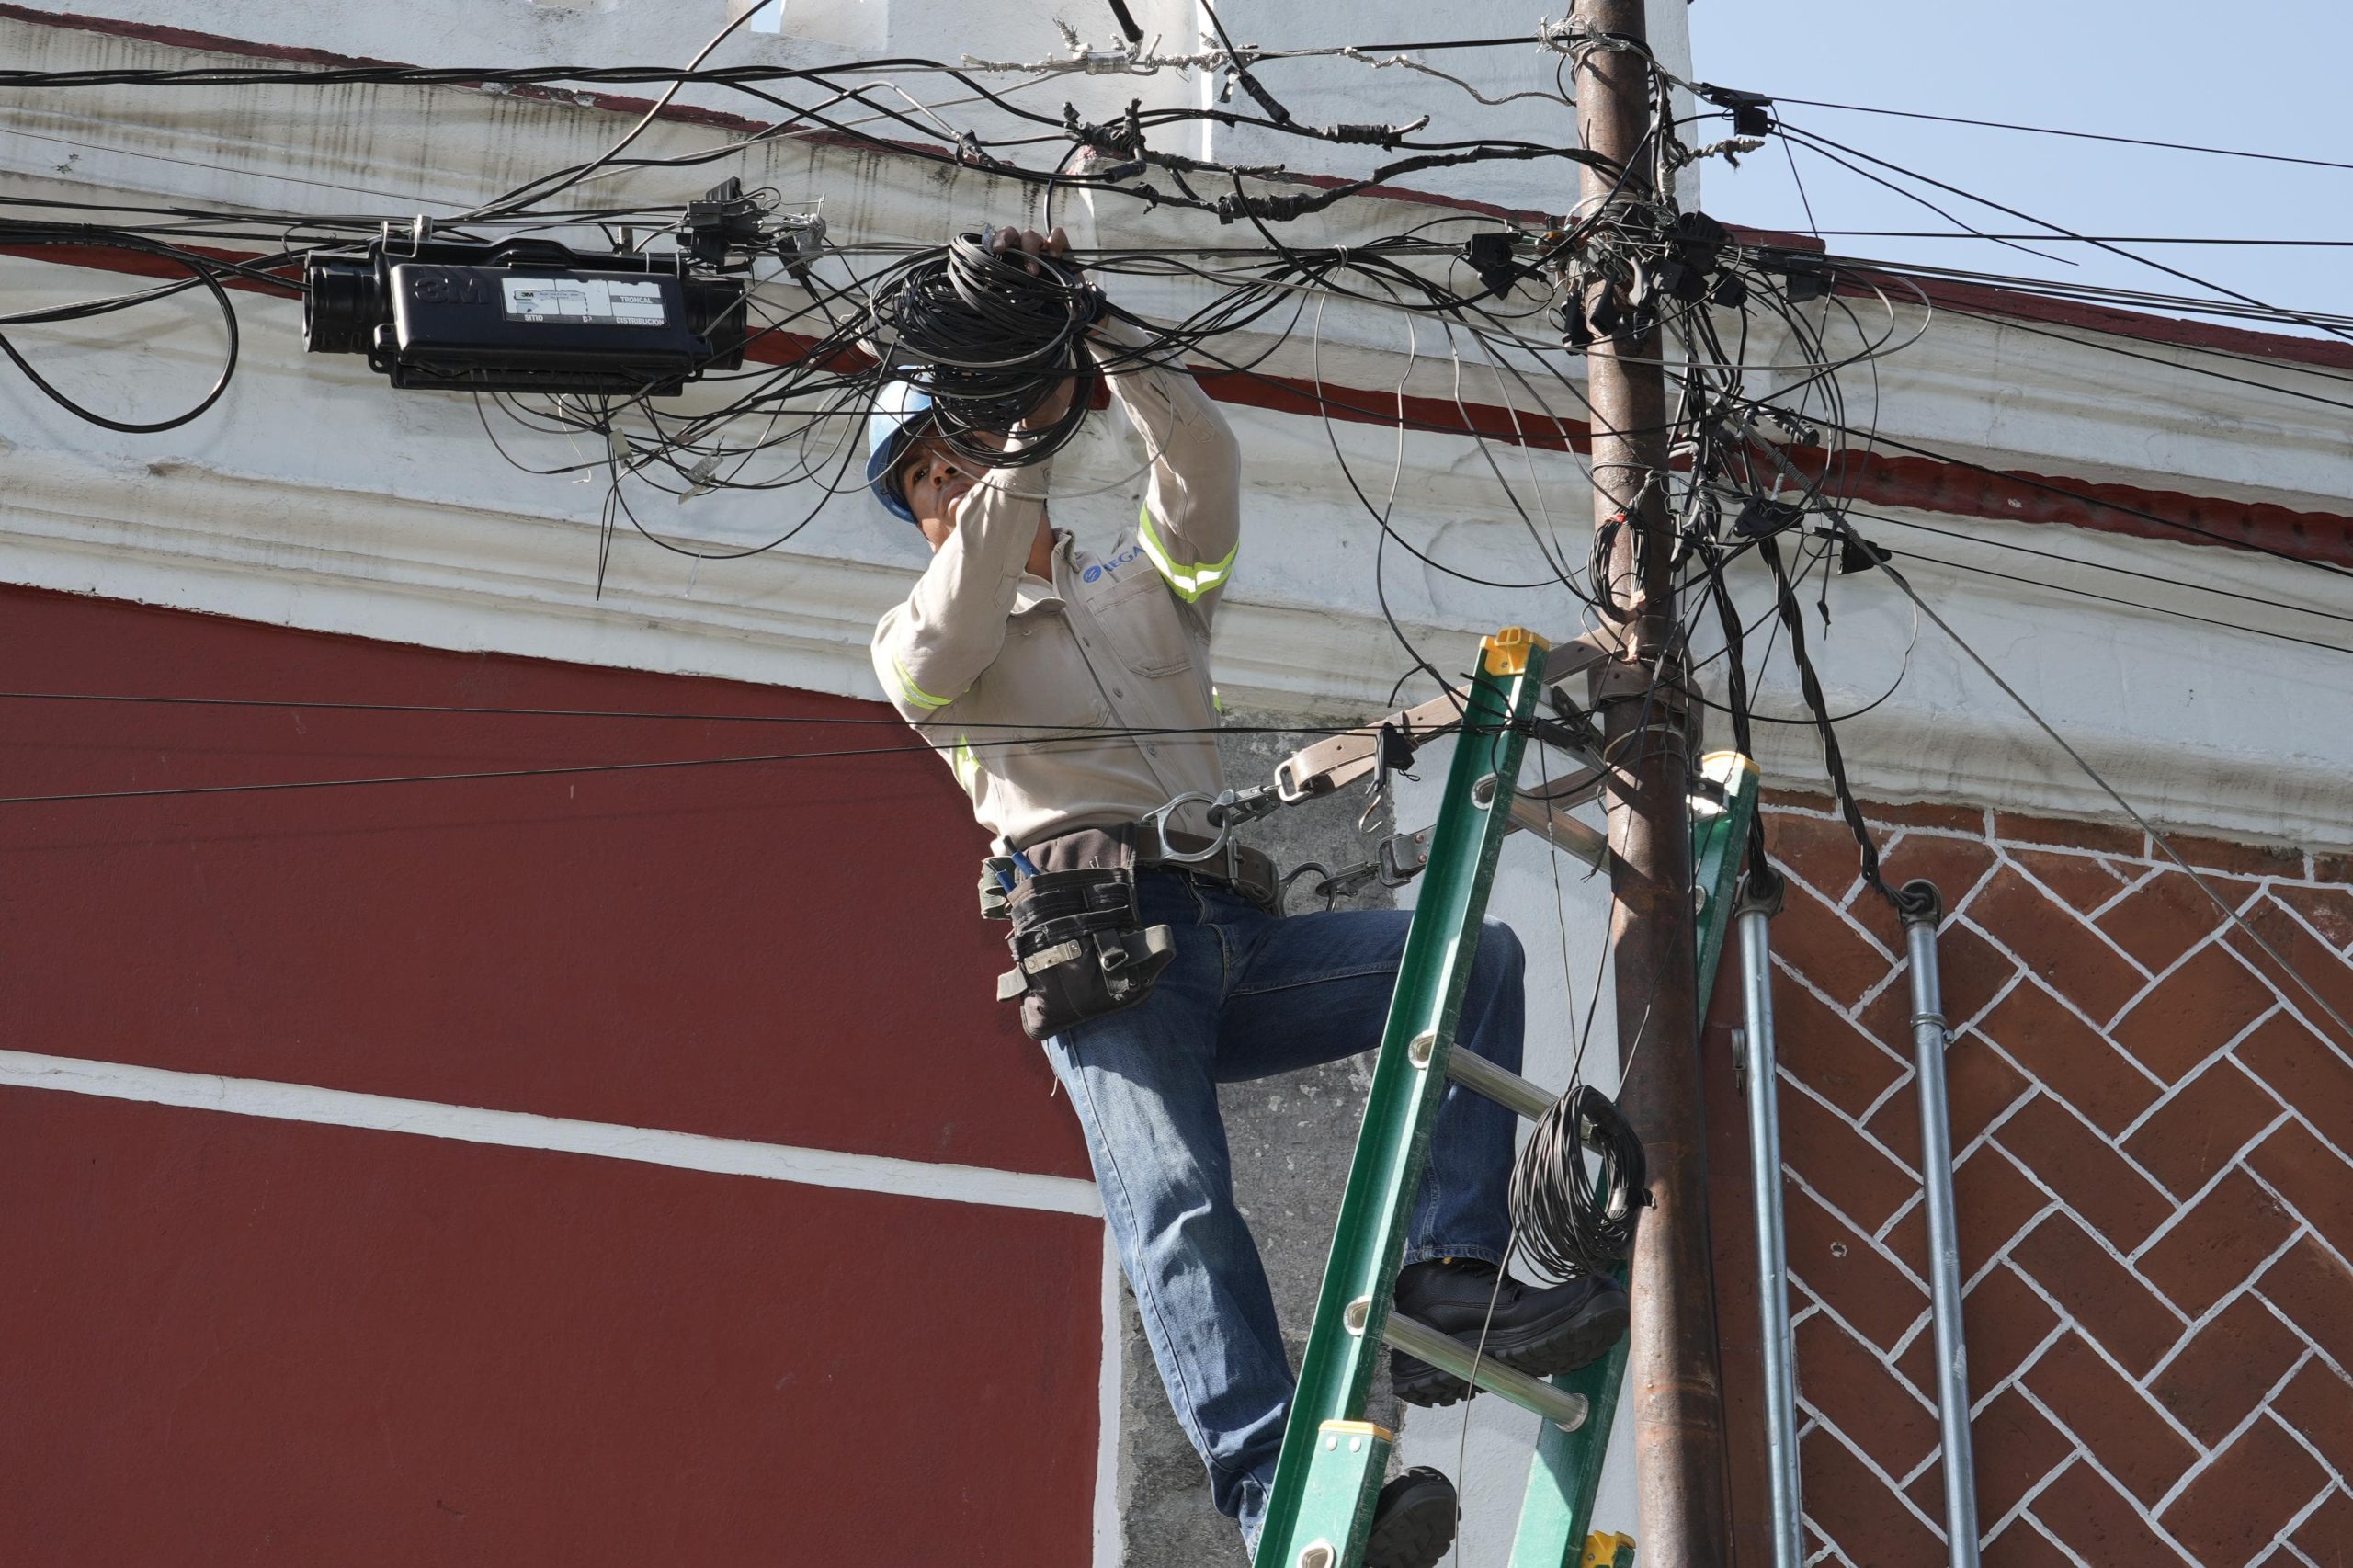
(605,302)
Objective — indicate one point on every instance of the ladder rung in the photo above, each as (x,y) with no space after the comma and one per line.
(1501,1085)
(1563,1409)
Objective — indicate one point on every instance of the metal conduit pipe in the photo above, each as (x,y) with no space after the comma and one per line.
(1778,1352)
(1923,909)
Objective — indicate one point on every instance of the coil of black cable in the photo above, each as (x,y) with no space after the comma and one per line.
(991,336)
(1572,1220)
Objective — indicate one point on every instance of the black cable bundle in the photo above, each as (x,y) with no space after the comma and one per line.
(990,337)
(1571,1225)
(205,270)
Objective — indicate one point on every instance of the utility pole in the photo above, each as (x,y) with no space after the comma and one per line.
(1672,1379)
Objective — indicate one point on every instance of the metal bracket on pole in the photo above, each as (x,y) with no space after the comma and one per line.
(1577,840)
(1337,761)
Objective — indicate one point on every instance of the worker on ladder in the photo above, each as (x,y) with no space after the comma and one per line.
(1069,690)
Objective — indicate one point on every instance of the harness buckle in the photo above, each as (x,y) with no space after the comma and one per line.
(1156,822)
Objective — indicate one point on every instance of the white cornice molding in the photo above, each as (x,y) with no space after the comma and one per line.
(335,559)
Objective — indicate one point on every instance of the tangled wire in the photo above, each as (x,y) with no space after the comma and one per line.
(990,337)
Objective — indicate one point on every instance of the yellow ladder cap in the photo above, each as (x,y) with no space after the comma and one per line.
(1506,653)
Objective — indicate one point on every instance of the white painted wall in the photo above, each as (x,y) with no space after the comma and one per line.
(1354,91)
(833,33)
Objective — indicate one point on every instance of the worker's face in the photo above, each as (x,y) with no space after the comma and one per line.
(934,481)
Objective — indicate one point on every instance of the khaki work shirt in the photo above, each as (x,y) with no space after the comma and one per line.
(1014,679)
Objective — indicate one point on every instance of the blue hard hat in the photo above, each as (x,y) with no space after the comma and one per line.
(900,411)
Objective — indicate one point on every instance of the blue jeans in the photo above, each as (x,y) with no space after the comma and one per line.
(1246,996)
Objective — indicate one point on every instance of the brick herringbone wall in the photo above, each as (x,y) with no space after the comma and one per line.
(2155,1138)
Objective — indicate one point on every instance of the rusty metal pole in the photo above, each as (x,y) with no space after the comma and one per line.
(1672,1381)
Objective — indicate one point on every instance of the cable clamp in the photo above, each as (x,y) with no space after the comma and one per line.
(1731,148)
(1665,700)
(698,479)
(1761,895)
(420,230)
(1751,112)
(1565,35)
(1571,37)
(1623,679)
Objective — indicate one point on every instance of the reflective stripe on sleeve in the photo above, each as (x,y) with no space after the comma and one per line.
(915,693)
(965,763)
(1190,582)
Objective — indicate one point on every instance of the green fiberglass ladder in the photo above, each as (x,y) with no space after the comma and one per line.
(1333,1459)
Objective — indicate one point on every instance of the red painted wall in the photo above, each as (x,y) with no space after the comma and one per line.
(250,1340)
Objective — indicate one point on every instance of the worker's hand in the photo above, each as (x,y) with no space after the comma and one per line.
(1029,244)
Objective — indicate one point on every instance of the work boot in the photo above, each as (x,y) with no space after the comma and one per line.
(1413,1524)
(1543,1330)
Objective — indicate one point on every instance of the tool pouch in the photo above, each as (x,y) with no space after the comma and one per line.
(1080,948)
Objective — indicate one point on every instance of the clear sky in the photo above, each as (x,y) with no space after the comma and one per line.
(2263,75)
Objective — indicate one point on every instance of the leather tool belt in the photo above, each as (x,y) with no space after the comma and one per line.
(1249,873)
(1080,947)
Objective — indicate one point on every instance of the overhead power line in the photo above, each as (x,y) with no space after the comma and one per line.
(2071,239)
(2075,135)
(1027,732)
(1864,557)
(2230,911)
(2105,343)
(2143,301)
(2010,547)
(2046,585)
(2097,503)
(1822,143)
(913,748)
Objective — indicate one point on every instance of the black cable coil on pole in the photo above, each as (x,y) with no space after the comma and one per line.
(1570,1223)
(990,340)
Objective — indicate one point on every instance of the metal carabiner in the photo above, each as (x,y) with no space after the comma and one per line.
(1157,820)
(1323,881)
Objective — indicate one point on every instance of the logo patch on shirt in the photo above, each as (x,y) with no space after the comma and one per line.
(1111,568)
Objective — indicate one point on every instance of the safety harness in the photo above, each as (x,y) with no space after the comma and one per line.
(1080,947)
